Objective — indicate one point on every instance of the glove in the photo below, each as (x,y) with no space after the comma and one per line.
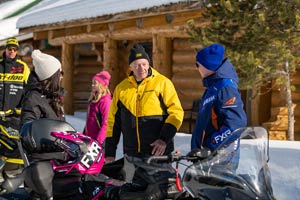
(199,153)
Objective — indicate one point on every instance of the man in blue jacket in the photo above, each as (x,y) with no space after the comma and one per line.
(221,107)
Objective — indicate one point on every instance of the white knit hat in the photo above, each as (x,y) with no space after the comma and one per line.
(44,65)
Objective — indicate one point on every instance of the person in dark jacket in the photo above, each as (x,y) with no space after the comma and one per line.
(42,96)
(13,78)
(221,107)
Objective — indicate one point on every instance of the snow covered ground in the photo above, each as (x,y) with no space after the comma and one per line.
(284,160)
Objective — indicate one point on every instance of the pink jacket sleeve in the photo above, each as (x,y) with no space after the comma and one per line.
(104,109)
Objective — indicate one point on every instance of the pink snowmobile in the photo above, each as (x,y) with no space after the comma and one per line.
(61,163)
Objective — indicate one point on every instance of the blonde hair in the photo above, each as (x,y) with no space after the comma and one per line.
(103,90)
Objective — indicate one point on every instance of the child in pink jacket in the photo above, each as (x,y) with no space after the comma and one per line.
(98,108)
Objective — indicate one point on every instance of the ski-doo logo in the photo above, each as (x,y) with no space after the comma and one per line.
(222,137)
(11,77)
(88,158)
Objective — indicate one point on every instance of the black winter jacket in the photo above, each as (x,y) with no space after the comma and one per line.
(13,77)
(35,105)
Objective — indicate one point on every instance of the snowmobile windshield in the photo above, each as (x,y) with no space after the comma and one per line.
(235,170)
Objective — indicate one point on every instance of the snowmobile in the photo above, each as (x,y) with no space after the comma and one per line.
(237,169)
(60,163)
(11,163)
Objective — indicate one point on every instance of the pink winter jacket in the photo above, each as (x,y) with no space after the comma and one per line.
(97,114)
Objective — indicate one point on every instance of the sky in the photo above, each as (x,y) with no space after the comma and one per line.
(284,160)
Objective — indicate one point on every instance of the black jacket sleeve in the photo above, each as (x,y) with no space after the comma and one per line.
(167,132)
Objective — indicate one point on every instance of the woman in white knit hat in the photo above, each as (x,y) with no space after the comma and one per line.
(42,94)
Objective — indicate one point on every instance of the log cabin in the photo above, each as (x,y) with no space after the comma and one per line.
(91,35)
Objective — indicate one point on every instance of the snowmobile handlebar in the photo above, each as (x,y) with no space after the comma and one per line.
(167,158)
(194,155)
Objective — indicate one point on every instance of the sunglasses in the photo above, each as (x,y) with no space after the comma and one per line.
(12,49)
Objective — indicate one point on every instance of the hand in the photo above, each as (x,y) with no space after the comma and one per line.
(159,147)
(109,159)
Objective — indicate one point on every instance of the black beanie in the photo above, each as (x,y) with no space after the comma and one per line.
(137,52)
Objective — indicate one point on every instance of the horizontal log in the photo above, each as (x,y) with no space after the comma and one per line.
(182,45)
(189,93)
(76,39)
(56,52)
(280,111)
(84,83)
(39,35)
(183,57)
(182,85)
(93,68)
(91,64)
(189,74)
(186,82)
(76,30)
(186,105)
(85,51)
(88,60)
(277,135)
(276,125)
(83,77)
(189,69)
(81,95)
(82,87)
(86,69)
(278,99)
(189,100)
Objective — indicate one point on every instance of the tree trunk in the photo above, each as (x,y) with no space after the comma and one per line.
(291,117)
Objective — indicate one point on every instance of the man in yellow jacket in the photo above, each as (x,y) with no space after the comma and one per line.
(146,110)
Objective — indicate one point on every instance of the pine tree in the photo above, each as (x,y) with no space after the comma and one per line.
(261,39)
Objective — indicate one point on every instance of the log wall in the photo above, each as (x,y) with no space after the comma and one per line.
(278,122)
(186,77)
(86,65)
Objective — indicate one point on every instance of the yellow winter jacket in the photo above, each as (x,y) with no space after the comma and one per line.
(143,113)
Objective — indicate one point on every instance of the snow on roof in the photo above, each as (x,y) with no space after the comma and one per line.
(53,11)
(9,24)
(9,7)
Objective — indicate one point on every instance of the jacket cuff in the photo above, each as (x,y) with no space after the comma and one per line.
(167,132)
(110,150)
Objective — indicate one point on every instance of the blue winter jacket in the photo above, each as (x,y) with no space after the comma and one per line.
(220,110)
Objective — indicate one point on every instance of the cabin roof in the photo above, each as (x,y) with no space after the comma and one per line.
(59,11)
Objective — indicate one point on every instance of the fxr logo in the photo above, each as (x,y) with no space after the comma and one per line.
(222,137)
(91,155)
